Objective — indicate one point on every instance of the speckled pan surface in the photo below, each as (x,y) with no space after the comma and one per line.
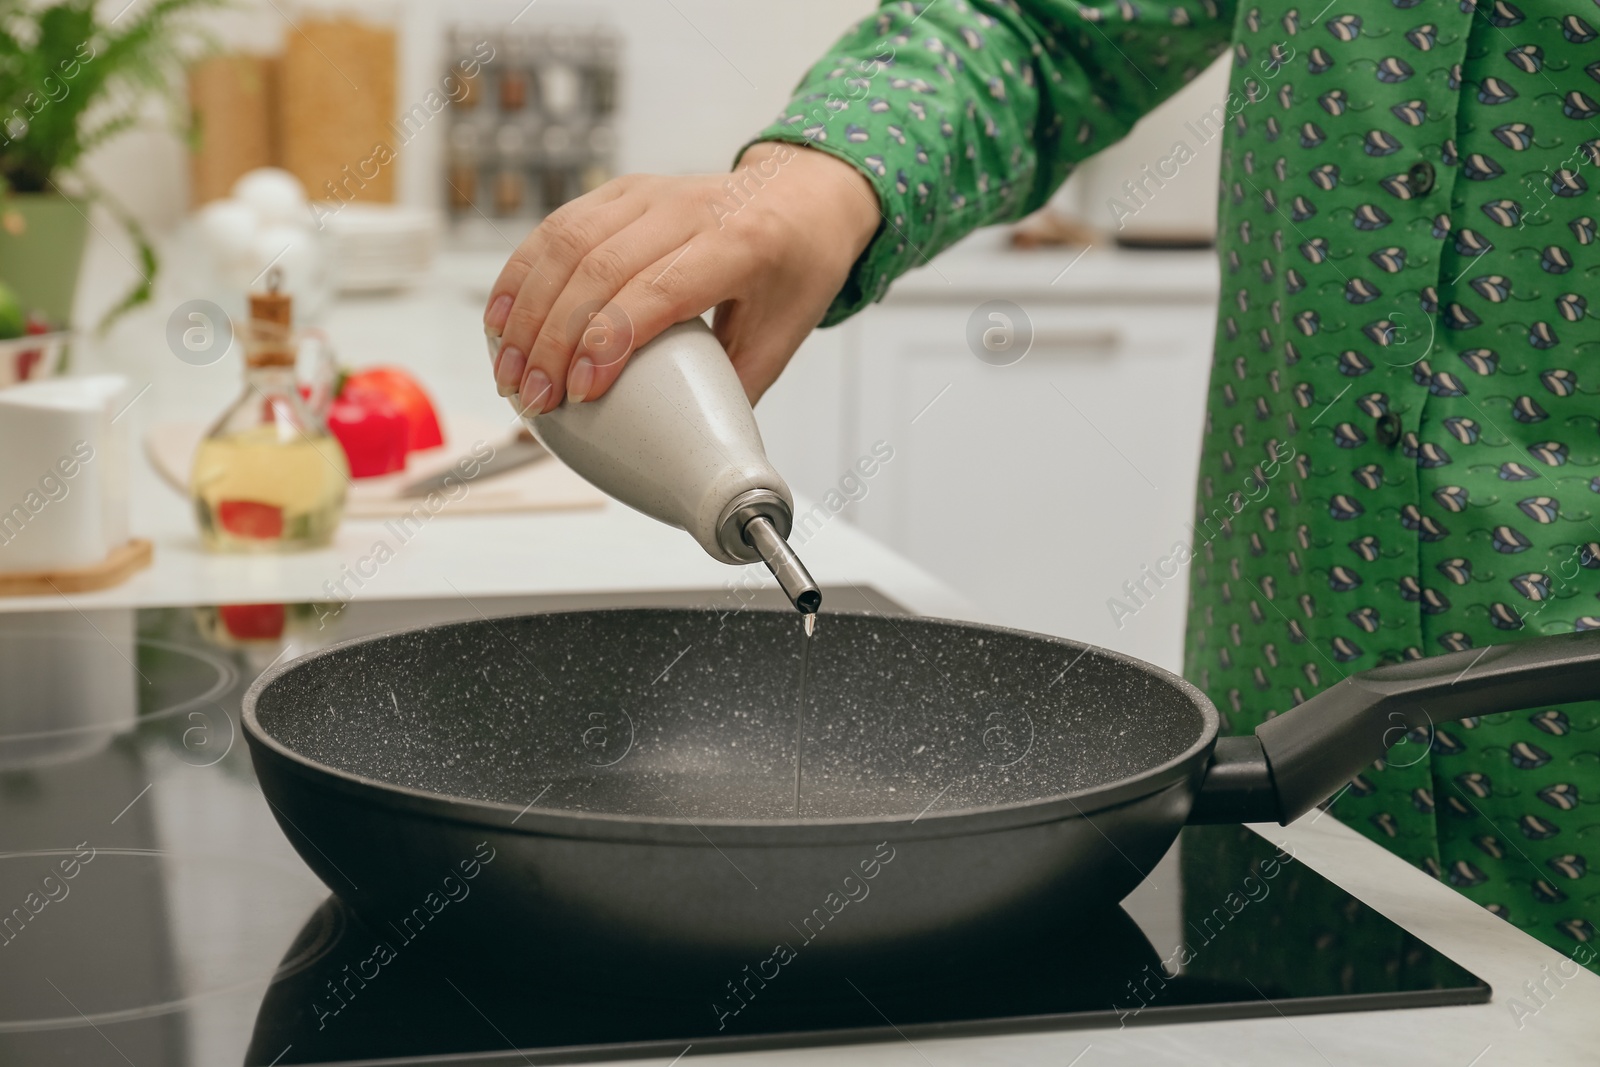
(690,716)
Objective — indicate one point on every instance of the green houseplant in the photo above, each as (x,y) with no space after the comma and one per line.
(70,79)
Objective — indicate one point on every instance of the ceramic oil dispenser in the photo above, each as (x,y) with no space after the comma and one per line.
(674,437)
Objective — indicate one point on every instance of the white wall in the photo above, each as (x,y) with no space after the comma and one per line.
(1185,204)
(699,76)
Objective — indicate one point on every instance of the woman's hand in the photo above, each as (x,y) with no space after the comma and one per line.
(768,246)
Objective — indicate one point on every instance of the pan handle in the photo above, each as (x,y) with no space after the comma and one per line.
(1300,758)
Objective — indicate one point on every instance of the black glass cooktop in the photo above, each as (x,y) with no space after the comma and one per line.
(151,912)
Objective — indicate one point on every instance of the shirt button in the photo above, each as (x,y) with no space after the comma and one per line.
(1389,429)
(1420,178)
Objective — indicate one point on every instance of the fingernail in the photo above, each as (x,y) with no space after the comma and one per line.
(535,392)
(494,320)
(492,340)
(508,370)
(580,379)
(596,339)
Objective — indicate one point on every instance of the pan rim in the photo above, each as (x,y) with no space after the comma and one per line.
(549,822)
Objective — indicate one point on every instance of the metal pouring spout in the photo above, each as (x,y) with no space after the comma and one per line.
(761,535)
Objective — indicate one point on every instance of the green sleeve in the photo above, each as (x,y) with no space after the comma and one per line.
(964,113)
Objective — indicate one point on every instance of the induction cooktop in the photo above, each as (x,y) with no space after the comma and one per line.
(151,912)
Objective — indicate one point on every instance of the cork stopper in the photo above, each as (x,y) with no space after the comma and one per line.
(271,340)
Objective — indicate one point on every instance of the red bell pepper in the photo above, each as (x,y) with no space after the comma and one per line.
(408,395)
(371,428)
(252,622)
(29,358)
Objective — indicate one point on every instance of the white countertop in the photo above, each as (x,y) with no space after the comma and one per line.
(984,265)
(612,549)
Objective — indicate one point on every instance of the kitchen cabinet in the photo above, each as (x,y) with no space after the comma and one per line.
(803,417)
(1036,489)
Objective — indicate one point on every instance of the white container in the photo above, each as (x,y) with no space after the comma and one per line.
(376,248)
(64,475)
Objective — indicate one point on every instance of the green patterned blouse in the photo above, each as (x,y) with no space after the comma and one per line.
(1400,453)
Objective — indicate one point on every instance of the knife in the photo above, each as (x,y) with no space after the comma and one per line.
(520,451)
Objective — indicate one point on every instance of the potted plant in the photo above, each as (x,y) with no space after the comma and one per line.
(72,77)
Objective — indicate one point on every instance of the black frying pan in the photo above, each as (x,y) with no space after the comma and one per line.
(621,783)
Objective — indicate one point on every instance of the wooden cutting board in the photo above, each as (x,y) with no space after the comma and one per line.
(547,485)
(113,570)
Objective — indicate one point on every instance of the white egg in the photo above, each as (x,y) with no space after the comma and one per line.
(275,194)
(229,229)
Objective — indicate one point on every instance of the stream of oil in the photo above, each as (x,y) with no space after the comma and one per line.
(800,706)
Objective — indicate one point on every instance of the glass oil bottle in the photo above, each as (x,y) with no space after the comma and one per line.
(268,477)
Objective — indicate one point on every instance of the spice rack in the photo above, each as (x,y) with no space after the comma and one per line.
(534,126)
